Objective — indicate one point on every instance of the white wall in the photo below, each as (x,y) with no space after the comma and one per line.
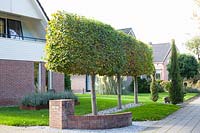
(20,7)
(11,49)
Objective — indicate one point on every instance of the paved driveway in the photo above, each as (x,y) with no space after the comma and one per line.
(186,120)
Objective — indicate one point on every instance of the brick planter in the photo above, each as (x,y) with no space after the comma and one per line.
(62,116)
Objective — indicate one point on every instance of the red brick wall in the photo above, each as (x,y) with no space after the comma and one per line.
(62,116)
(99,121)
(58,82)
(16,80)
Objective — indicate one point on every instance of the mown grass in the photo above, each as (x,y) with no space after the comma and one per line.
(16,117)
(152,111)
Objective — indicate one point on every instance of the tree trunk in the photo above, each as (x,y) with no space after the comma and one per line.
(135,90)
(119,91)
(93,96)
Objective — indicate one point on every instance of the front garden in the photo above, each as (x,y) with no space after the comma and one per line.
(93,48)
(148,111)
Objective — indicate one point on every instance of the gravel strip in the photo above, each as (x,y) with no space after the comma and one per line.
(115,109)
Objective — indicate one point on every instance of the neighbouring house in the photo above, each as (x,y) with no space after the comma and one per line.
(82,83)
(128,31)
(161,57)
(22,42)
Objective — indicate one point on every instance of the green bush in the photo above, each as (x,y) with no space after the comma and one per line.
(166,85)
(159,87)
(154,89)
(36,99)
(143,85)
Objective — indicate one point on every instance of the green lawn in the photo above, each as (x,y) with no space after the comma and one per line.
(14,116)
(152,111)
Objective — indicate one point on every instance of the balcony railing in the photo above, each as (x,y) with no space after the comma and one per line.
(17,37)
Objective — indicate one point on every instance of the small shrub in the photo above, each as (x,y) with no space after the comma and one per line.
(36,99)
(166,85)
(154,90)
(159,87)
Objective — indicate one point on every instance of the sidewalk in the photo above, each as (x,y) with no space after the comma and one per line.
(185,120)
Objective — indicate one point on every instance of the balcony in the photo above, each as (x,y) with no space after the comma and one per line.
(26,38)
(21,48)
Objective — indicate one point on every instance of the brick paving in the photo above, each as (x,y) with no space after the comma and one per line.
(185,120)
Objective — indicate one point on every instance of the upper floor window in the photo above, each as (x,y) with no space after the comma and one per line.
(2,27)
(14,29)
(11,29)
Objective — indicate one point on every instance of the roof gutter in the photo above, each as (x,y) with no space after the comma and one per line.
(41,7)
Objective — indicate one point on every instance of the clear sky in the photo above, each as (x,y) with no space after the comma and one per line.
(154,21)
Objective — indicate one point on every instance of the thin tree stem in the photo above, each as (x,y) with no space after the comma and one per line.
(93,96)
(135,90)
(119,91)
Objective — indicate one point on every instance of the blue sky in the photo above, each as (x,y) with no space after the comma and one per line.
(154,21)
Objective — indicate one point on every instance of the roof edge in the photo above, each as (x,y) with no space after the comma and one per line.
(167,54)
(41,7)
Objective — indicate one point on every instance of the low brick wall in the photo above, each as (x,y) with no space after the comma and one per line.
(62,116)
(100,121)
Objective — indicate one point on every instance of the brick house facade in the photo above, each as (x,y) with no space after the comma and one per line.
(22,32)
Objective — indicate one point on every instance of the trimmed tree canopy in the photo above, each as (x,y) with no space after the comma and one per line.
(77,45)
(140,59)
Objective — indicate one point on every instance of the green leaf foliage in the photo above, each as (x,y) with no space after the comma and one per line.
(153,88)
(77,45)
(176,90)
(188,66)
(139,59)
